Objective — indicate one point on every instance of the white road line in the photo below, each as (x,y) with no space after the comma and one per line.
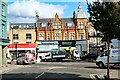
(93,76)
(40,75)
(43,73)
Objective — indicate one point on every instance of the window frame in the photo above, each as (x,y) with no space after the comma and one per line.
(72,36)
(28,36)
(15,36)
(41,36)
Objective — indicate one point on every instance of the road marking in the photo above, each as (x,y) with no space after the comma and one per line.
(43,73)
(40,75)
(93,76)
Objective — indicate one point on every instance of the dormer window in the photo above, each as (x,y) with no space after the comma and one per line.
(57,25)
(44,24)
(69,24)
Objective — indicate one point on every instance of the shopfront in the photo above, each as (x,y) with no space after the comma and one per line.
(14,50)
(63,44)
(46,46)
(80,45)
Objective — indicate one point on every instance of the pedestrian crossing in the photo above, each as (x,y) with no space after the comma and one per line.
(96,77)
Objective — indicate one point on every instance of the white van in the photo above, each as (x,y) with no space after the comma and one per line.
(114,59)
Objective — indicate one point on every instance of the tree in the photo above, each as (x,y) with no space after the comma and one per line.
(105,16)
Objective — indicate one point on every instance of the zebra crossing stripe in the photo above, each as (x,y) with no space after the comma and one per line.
(94,76)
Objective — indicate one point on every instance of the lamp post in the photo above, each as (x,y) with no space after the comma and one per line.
(36,25)
(16,52)
(12,43)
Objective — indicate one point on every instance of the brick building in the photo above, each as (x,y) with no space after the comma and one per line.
(64,29)
(57,28)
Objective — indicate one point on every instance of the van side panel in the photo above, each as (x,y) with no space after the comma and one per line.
(115,56)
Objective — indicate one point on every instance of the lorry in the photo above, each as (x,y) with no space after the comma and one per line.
(54,55)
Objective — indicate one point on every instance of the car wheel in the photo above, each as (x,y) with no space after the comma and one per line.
(101,65)
(21,62)
(17,63)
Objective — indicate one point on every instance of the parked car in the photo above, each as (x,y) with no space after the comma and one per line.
(26,58)
(89,56)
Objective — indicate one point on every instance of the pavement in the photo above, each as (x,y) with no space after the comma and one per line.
(7,68)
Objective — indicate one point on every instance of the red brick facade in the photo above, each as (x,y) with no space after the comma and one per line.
(61,28)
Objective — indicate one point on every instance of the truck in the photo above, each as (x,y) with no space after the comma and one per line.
(54,55)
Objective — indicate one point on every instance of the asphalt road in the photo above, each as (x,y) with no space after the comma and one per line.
(62,70)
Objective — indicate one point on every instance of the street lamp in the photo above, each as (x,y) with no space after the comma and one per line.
(16,52)
(12,42)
